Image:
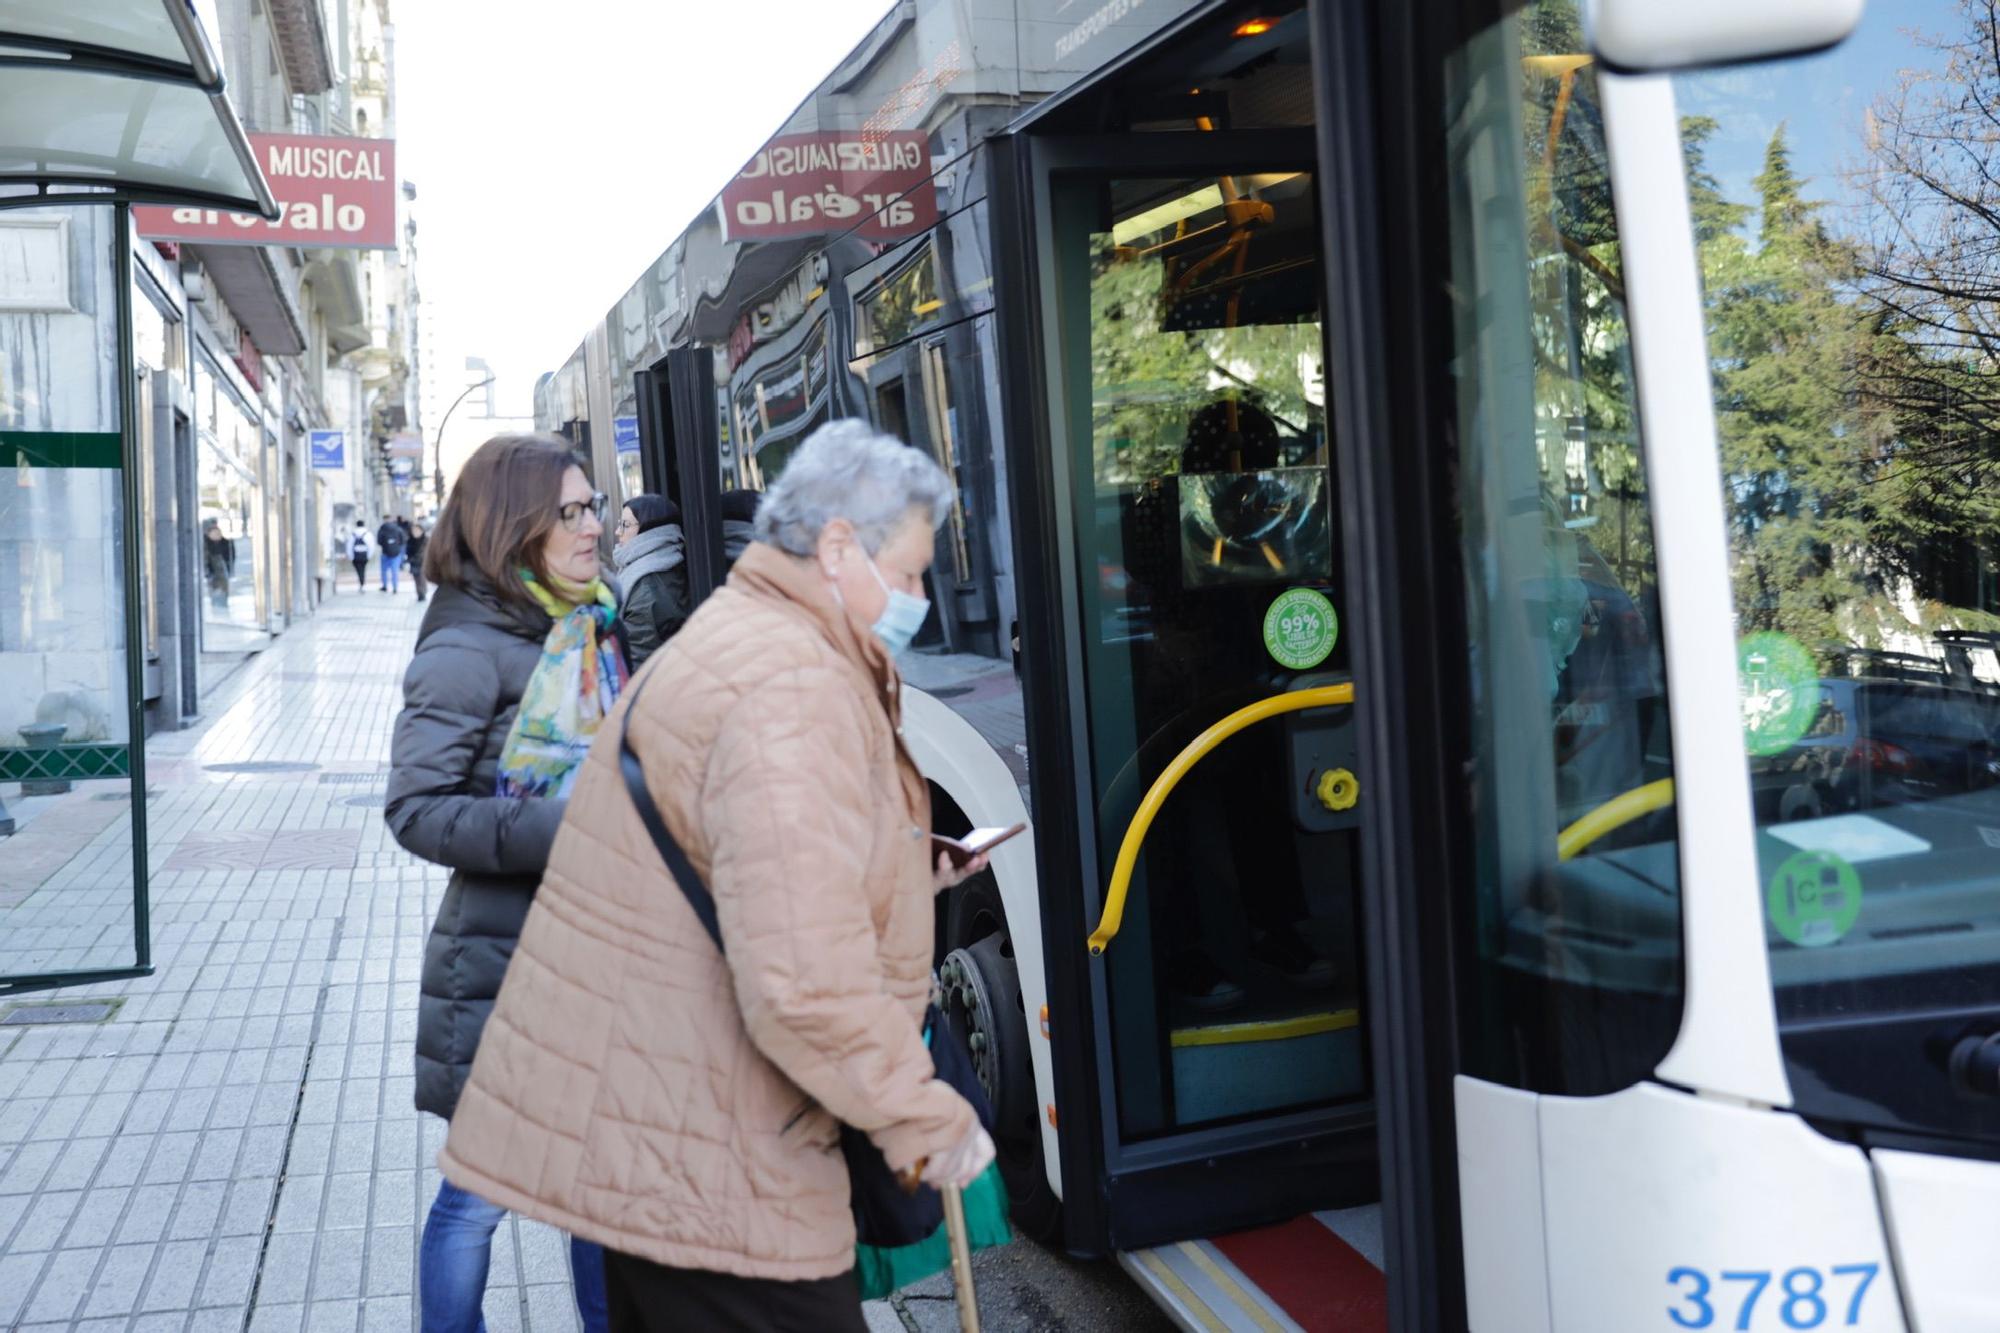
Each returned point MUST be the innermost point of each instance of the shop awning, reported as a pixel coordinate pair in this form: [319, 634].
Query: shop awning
[118, 100]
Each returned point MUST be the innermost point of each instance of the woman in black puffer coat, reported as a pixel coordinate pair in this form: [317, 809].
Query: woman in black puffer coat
[521, 506]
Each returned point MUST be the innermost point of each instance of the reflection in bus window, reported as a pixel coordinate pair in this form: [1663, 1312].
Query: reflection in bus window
[1844, 205]
[1579, 986]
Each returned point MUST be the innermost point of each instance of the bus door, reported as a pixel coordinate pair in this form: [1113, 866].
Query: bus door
[1194, 638]
[679, 455]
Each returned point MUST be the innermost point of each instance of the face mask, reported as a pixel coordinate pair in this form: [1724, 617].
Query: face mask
[901, 618]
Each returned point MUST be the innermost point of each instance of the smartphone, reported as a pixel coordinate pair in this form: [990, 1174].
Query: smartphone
[976, 843]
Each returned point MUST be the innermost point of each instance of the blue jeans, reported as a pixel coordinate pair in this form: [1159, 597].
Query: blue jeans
[392, 567]
[457, 1250]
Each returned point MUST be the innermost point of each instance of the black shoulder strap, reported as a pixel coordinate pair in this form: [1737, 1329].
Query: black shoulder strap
[691, 885]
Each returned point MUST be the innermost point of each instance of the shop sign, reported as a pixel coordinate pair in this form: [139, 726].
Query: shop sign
[405, 444]
[335, 193]
[810, 184]
[329, 449]
[625, 434]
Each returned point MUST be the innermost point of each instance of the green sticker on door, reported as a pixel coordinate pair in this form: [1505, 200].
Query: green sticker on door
[1814, 899]
[1300, 628]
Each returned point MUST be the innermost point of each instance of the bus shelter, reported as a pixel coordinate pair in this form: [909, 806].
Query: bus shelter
[104, 104]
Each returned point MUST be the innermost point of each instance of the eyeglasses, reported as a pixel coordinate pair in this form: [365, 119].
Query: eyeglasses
[572, 513]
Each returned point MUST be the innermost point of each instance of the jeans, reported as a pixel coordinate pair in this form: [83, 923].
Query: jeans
[392, 568]
[457, 1250]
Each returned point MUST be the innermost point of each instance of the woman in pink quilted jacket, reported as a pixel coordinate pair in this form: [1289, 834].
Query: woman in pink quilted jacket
[682, 1106]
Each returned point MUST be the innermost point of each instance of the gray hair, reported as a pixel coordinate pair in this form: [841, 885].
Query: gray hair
[847, 469]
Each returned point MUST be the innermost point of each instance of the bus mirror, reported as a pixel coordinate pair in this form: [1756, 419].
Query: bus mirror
[1641, 36]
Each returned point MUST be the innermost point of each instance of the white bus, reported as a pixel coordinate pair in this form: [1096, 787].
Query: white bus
[1472, 561]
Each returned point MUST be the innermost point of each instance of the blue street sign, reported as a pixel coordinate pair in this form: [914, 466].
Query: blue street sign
[329, 449]
[625, 434]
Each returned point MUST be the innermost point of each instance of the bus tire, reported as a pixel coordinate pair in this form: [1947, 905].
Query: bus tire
[982, 990]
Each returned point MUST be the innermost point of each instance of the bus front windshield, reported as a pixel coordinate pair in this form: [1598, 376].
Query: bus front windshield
[1844, 206]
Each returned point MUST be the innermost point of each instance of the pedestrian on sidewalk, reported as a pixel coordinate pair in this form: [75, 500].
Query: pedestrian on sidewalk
[391, 538]
[682, 1104]
[414, 553]
[358, 550]
[517, 662]
[650, 557]
[218, 555]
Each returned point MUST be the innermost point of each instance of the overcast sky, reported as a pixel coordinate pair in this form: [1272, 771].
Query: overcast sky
[558, 149]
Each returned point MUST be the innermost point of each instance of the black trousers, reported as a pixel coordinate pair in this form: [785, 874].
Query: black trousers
[647, 1297]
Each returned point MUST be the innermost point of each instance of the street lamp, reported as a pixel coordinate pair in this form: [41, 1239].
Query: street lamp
[437, 477]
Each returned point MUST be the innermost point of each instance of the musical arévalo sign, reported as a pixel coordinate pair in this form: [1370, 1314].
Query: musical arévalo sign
[335, 193]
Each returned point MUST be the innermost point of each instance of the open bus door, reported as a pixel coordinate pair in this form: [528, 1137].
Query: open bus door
[1214, 1065]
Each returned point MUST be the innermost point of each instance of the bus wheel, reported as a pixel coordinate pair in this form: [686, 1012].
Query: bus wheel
[982, 991]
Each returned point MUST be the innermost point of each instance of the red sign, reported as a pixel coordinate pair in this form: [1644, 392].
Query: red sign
[338, 193]
[808, 184]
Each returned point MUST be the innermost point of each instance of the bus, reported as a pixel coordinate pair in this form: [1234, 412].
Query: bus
[1469, 557]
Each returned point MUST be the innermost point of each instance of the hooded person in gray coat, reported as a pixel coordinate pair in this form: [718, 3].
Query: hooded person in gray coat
[517, 662]
[651, 560]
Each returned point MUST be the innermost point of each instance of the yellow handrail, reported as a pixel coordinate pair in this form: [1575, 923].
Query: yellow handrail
[1615, 813]
[1320, 696]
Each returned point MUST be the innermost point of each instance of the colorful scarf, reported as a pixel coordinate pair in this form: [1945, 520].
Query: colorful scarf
[571, 692]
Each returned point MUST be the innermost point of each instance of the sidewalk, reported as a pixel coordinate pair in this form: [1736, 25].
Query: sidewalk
[235, 1148]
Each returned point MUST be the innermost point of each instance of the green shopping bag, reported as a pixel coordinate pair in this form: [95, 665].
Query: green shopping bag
[882, 1271]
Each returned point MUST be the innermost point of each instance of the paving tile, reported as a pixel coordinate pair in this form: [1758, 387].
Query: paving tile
[215, 1155]
[288, 1261]
[97, 1217]
[232, 1263]
[392, 1253]
[333, 1317]
[77, 1167]
[175, 1276]
[126, 1161]
[30, 1166]
[249, 1207]
[146, 1217]
[115, 1290]
[47, 1217]
[173, 1322]
[337, 1267]
[17, 1278]
[388, 1314]
[300, 1200]
[64, 1284]
[346, 1202]
[199, 1210]
[552, 1309]
[277, 1318]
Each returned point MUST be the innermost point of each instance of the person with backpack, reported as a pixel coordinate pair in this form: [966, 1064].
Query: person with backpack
[392, 537]
[359, 548]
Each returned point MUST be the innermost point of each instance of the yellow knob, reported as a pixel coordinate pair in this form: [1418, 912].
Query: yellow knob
[1339, 789]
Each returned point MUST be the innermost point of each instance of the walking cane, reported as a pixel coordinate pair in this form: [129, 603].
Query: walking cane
[961, 1260]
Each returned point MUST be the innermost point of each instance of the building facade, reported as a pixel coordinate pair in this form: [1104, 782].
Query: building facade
[192, 404]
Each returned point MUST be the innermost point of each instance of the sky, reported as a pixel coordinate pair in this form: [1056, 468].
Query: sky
[558, 149]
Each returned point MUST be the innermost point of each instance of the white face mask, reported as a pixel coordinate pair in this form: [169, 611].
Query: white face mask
[901, 618]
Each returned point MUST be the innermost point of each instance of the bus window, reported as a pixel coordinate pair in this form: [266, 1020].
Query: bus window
[1203, 500]
[1578, 960]
[1843, 209]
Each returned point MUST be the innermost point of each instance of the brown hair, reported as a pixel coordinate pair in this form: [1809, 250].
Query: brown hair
[501, 511]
